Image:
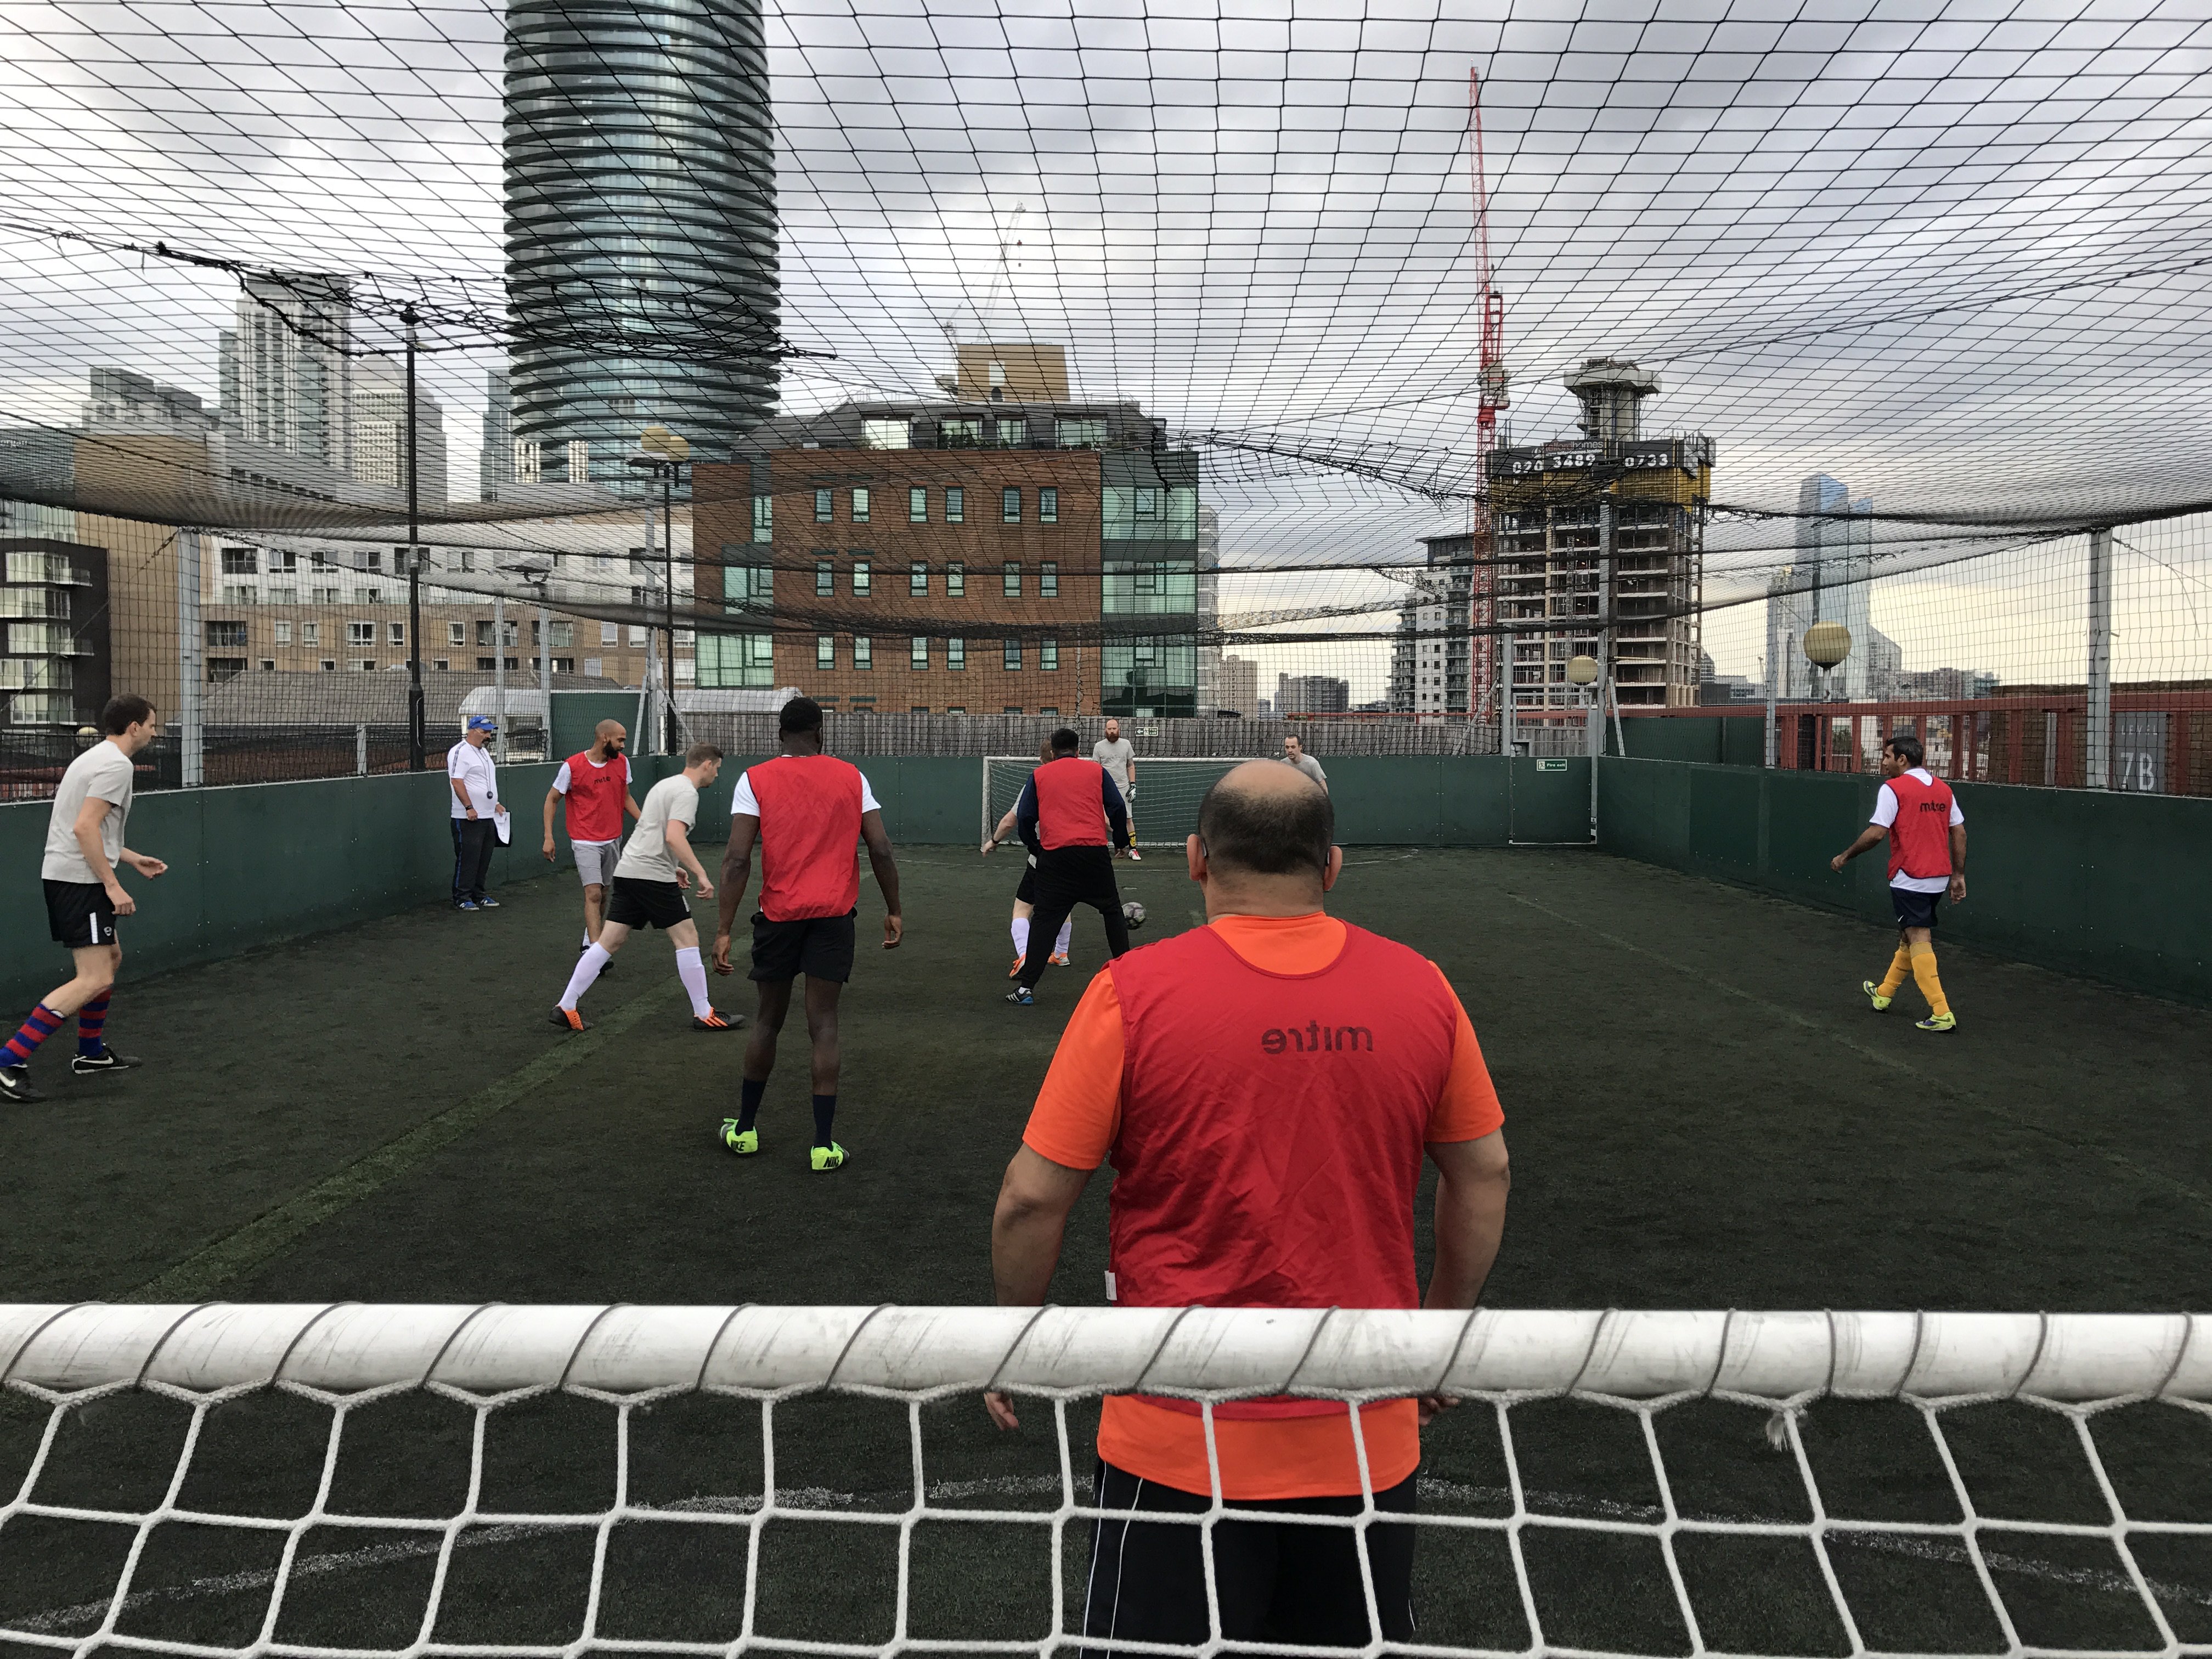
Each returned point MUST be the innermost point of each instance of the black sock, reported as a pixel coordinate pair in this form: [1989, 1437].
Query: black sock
[825, 1113]
[749, 1100]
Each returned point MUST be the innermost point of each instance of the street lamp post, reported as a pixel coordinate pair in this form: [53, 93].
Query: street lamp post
[663, 453]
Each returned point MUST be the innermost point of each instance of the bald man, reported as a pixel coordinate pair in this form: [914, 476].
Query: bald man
[596, 784]
[1266, 1087]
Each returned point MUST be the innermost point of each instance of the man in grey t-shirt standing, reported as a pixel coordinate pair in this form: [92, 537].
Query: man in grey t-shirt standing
[1119, 756]
[1294, 753]
[84, 896]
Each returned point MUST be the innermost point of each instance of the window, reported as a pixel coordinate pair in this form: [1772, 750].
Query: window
[1048, 505]
[1148, 503]
[863, 580]
[365, 665]
[742, 661]
[1012, 656]
[457, 633]
[1009, 579]
[823, 510]
[919, 653]
[891, 432]
[1048, 655]
[1148, 512]
[1010, 506]
[826, 576]
[399, 634]
[330, 667]
[955, 579]
[242, 593]
[860, 503]
[747, 584]
[961, 708]
[764, 518]
[825, 651]
[1080, 435]
[955, 656]
[1051, 710]
[442, 665]
[284, 633]
[1013, 708]
[361, 633]
[917, 504]
[1014, 433]
[864, 652]
[1049, 579]
[226, 633]
[323, 596]
[956, 504]
[917, 577]
[311, 632]
[580, 462]
[240, 562]
[610, 632]
[637, 634]
[959, 434]
[225, 668]
[283, 563]
[564, 636]
[918, 708]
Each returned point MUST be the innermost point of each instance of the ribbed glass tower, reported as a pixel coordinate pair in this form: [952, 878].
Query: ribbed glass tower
[640, 227]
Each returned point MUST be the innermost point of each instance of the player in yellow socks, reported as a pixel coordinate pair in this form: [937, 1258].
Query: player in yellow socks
[1916, 813]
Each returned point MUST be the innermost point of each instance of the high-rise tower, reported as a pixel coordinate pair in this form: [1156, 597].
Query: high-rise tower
[641, 225]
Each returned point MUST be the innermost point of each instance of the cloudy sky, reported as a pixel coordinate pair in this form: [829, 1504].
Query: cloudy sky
[1955, 254]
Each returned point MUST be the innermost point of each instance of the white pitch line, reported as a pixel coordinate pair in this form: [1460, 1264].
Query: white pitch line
[2107, 1580]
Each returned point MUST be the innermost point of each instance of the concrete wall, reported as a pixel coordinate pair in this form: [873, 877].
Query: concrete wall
[2109, 886]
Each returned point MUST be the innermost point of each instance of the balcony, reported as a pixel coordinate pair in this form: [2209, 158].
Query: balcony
[44, 639]
[54, 569]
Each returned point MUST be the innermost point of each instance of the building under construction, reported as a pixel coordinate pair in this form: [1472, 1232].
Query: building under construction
[1609, 526]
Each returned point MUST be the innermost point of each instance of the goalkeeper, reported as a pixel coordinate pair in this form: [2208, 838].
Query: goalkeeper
[1266, 1086]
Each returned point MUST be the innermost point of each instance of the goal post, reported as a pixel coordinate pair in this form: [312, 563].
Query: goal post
[110, 1534]
[1168, 792]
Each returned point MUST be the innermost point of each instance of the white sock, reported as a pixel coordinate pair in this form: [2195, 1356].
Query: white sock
[693, 972]
[1021, 936]
[587, 969]
[1066, 933]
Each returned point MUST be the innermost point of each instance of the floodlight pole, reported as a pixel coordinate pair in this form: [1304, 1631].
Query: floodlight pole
[2097, 751]
[667, 471]
[418, 726]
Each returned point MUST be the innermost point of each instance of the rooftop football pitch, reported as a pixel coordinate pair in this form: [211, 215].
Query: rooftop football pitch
[1702, 1109]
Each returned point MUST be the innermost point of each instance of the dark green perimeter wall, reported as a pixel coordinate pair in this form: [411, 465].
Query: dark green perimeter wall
[2110, 885]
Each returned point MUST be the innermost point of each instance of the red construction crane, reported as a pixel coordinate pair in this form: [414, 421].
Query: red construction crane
[1492, 395]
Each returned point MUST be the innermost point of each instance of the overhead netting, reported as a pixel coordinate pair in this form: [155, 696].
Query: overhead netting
[1929, 290]
[336, 1480]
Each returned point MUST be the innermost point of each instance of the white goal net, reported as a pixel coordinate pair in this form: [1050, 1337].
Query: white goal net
[550, 1481]
[1168, 792]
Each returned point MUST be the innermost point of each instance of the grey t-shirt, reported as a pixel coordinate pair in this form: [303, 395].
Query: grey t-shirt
[105, 772]
[1115, 757]
[1311, 767]
[647, 857]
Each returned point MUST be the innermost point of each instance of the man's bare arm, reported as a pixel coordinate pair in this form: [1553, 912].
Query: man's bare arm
[878, 843]
[678, 835]
[1026, 1231]
[552, 798]
[737, 875]
[1873, 835]
[1958, 863]
[1472, 1180]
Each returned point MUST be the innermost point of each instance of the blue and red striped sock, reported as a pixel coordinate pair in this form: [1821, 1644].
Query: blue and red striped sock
[42, 1023]
[90, 1020]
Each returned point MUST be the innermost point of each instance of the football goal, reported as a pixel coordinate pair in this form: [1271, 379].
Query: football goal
[1168, 792]
[536, 1481]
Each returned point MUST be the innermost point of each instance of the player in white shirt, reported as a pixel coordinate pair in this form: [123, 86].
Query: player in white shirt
[1119, 756]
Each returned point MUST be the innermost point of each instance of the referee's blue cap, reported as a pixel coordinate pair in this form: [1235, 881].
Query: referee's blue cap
[482, 723]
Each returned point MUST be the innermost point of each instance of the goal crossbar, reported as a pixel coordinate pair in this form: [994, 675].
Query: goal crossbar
[59, 1350]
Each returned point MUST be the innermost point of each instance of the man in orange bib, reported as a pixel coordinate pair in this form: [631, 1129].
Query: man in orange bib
[1916, 813]
[1266, 1086]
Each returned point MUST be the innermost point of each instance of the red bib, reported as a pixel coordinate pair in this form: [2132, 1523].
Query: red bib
[1272, 1129]
[1920, 840]
[1070, 798]
[595, 797]
[810, 824]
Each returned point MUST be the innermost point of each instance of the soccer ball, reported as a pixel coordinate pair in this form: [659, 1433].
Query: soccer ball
[1133, 914]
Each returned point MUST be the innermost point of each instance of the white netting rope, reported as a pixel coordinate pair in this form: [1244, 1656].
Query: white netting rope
[346, 1357]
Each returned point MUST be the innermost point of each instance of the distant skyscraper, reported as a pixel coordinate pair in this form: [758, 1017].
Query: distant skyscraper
[287, 371]
[640, 227]
[1832, 580]
[380, 431]
[496, 459]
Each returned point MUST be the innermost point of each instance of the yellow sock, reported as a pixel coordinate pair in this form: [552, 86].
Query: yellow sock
[1924, 975]
[1900, 966]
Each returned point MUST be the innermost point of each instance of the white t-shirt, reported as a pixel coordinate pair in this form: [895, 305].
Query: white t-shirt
[742, 801]
[471, 765]
[1309, 765]
[1115, 757]
[105, 772]
[1885, 814]
[647, 857]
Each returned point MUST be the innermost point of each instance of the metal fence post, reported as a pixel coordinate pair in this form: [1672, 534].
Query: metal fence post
[191, 660]
[499, 670]
[2097, 752]
[360, 750]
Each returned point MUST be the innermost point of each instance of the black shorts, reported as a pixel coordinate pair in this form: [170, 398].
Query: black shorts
[80, 912]
[1276, 1582]
[1914, 910]
[1078, 875]
[820, 947]
[639, 902]
[1026, 893]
